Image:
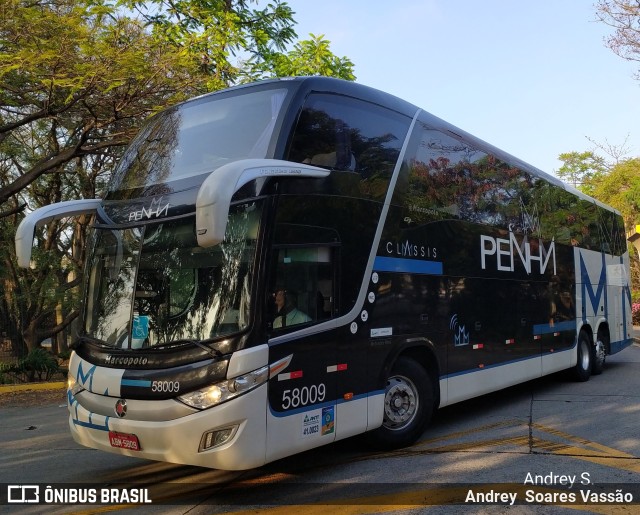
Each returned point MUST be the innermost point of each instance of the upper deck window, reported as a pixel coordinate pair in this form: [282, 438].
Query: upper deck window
[198, 137]
[346, 134]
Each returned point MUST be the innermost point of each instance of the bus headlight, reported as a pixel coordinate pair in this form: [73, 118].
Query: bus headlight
[225, 390]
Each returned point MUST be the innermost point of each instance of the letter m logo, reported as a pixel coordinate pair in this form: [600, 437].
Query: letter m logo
[82, 378]
[595, 296]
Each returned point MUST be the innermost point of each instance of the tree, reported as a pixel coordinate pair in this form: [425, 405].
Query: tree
[581, 168]
[313, 57]
[620, 188]
[616, 183]
[77, 78]
[624, 17]
[231, 42]
[213, 32]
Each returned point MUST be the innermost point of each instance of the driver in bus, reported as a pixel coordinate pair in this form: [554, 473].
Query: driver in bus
[287, 313]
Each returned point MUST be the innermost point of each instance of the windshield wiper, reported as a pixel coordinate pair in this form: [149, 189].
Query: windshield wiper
[90, 339]
[213, 352]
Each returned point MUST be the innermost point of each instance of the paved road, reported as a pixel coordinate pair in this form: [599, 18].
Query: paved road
[500, 443]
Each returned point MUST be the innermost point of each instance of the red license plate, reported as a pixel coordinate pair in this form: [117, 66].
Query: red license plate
[124, 441]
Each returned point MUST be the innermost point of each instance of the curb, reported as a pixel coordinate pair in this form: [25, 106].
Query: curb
[10, 388]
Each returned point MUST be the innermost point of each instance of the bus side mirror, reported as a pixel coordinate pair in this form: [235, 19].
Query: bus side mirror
[214, 196]
[26, 229]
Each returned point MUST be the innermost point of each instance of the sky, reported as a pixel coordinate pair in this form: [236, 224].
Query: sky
[533, 78]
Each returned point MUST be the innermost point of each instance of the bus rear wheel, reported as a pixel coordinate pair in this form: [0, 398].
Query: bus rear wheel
[408, 405]
[582, 370]
[599, 354]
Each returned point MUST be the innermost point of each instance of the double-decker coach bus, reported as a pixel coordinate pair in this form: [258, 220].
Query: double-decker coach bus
[285, 264]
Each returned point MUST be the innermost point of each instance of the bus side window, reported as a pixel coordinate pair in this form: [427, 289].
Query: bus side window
[349, 135]
[302, 290]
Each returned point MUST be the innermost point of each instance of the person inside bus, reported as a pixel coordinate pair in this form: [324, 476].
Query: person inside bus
[287, 312]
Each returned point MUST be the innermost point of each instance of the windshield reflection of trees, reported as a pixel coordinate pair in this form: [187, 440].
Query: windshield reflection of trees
[198, 293]
[149, 158]
[323, 140]
[112, 275]
[179, 290]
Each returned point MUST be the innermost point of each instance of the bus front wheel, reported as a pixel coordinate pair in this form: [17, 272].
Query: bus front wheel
[582, 370]
[408, 405]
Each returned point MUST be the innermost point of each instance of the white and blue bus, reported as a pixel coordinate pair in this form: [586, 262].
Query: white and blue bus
[285, 264]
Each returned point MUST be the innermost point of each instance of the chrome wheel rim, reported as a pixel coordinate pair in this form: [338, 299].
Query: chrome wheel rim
[585, 358]
[400, 403]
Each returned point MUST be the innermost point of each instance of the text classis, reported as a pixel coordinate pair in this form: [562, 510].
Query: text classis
[409, 249]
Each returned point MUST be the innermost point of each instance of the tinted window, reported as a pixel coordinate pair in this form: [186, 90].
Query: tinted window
[303, 289]
[198, 137]
[451, 178]
[342, 133]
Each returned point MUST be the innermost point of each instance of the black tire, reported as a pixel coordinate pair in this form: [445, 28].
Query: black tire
[408, 406]
[599, 355]
[582, 370]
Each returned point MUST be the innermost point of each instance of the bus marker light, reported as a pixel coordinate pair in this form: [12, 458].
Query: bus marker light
[279, 365]
[556, 334]
[337, 368]
[290, 375]
[481, 365]
[510, 341]
[348, 396]
[478, 346]
[537, 337]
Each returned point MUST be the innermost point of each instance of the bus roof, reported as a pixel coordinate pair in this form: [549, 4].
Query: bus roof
[303, 86]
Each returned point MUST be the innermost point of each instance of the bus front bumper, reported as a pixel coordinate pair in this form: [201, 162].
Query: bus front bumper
[183, 440]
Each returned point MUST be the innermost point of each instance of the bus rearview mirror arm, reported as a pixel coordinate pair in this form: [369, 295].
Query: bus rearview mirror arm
[212, 204]
[26, 229]
[214, 197]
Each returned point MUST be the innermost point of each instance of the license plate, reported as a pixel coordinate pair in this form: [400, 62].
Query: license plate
[124, 441]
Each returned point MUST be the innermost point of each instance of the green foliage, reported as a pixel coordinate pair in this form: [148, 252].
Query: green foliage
[77, 79]
[621, 189]
[582, 169]
[64, 355]
[5, 371]
[313, 57]
[227, 41]
[39, 363]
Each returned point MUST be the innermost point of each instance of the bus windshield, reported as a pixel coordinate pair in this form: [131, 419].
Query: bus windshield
[153, 285]
[197, 137]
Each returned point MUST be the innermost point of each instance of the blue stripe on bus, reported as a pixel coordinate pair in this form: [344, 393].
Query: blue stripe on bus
[503, 363]
[568, 325]
[139, 383]
[91, 425]
[389, 264]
